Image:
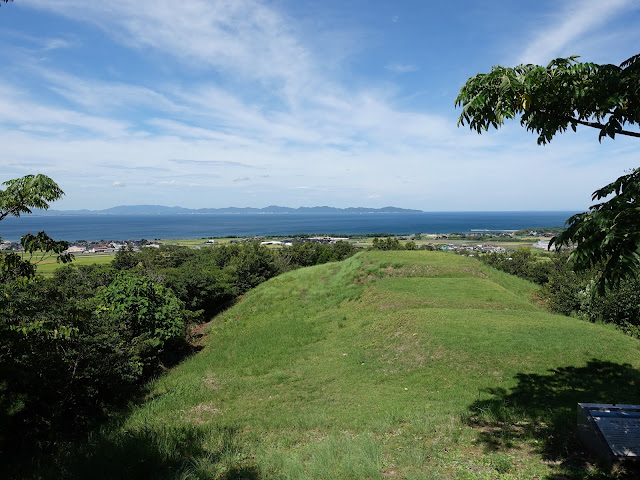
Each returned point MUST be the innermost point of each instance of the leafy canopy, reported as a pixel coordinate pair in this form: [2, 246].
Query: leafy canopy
[21, 195]
[607, 235]
[565, 94]
[551, 99]
[24, 193]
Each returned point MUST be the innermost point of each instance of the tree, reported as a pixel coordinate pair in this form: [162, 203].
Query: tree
[147, 314]
[565, 94]
[24, 193]
[21, 195]
[388, 243]
[125, 259]
[550, 99]
[36, 328]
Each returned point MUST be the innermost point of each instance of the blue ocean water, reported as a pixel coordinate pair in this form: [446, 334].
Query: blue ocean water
[166, 226]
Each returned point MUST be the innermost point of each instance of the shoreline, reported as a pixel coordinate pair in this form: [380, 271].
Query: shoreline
[173, 227]
[299, 236]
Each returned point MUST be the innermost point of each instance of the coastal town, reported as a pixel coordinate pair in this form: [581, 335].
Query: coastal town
[469, 243]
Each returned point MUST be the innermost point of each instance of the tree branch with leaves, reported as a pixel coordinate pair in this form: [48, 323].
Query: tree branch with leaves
[21, 195]
[551, 99]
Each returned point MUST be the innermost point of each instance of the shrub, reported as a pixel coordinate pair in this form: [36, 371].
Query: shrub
[620, 306]
[69, 357]
[522, 263]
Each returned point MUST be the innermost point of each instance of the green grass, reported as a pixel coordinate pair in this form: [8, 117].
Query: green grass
[413, 365]
[50, 265]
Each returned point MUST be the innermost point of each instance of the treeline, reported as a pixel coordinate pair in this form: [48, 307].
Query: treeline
[393, 243]
[77, 347]
[526, 231]
[574, 293]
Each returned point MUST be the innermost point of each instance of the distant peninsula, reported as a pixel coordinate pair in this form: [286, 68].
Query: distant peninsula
[273, 209]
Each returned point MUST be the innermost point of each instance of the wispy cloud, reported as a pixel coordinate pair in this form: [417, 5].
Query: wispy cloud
[244, 36]
[210, 163]
[17, 108]
[39, 43]
[274, 90]
[103, 96]
[209, 93]
[146, 168]
[571, 23]
[401, 67]
[57, 43]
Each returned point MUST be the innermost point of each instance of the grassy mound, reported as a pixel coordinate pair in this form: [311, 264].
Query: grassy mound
[407, 365]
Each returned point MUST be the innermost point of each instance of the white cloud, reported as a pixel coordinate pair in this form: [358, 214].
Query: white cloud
[57, 43]
[103, 96]
[290, 100]
[401, 68]
[243, 36]
[256, 96]
[17, 108]
[575, 21]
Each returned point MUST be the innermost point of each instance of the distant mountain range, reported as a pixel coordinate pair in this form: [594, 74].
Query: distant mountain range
[273, 209]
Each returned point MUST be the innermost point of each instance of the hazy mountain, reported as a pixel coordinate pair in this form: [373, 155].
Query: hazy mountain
[272, 209]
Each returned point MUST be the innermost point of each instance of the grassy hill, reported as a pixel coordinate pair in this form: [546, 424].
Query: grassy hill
[409, 365]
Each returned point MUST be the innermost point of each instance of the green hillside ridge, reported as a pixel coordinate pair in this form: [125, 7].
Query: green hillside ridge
[411, 365]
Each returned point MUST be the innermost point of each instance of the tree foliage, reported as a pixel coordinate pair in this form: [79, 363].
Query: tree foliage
[76, 347]
[143, 308]
[521, 263]
[608, 234]
[24, 193]
[551, 99]
[565, 93]
[36, 248]
[125, 259]
[388, 243]
[21, 195]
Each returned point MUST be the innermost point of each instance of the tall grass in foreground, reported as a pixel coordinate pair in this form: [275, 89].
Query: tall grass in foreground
[412, 365]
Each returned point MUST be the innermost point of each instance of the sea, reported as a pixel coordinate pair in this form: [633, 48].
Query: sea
[173, 226]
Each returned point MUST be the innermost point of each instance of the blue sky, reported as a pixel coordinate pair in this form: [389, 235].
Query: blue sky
[207, 103]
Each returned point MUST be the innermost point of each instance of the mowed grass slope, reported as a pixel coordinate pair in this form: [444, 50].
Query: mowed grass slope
[410, 365]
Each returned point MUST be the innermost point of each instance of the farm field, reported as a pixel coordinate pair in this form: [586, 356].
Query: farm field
[413, 365]
[365, 241]
[49, 265]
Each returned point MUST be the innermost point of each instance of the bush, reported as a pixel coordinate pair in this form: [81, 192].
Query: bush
[73, 351]
[306, 254]
[620, 306]
[522, 263]
[389, 243]
[201, 287]
[143, 311]
[249, 265]
[566, 288]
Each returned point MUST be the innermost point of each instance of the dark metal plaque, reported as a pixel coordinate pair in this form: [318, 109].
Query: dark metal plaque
[611, 431]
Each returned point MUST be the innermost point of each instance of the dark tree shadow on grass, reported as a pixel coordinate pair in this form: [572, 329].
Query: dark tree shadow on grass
[541, 411]
[145, 453]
